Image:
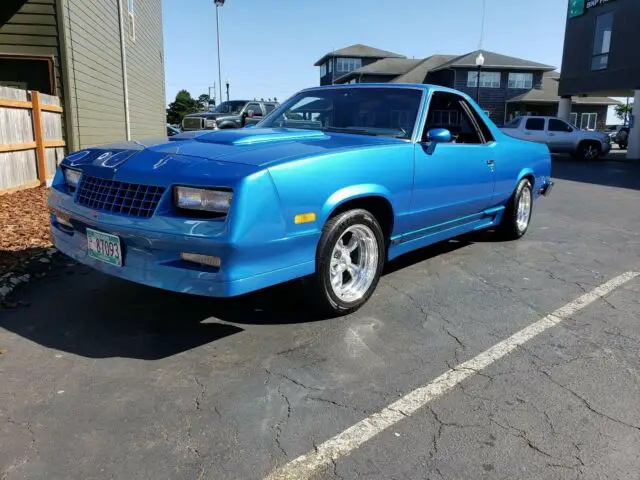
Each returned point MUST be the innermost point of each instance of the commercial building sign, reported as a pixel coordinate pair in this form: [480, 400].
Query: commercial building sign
[578, 7]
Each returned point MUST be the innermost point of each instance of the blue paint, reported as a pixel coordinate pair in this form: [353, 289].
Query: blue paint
[275, 174]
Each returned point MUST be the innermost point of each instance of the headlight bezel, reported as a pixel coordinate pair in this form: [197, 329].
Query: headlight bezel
[68, 180]
[207, 200]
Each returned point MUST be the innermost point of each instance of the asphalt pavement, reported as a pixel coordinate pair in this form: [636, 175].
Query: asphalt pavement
[102, 379]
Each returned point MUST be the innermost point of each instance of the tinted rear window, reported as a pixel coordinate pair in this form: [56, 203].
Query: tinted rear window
[535, 124]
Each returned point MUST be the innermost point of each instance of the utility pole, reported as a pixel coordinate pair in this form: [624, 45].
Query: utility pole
[219, 3]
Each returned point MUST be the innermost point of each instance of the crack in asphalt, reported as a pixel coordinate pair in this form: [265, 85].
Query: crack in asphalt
[292, 380]
[33, 447]
[521, 434]
[586, 403]
[337, 404]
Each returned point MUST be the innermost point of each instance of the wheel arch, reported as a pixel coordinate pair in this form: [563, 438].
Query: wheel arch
[374, 198]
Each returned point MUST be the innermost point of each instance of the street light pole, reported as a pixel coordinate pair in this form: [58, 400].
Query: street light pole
[479, 64]
[219, 3]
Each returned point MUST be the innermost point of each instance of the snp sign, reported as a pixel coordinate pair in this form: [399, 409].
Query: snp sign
[578, 7]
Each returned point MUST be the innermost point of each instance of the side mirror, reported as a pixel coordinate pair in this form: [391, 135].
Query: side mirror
[439, 135]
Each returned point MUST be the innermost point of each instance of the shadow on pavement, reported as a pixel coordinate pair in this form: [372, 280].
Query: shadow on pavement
[88, 314]
[620, 174]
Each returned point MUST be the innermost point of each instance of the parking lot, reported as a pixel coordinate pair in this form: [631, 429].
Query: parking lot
[103, 379]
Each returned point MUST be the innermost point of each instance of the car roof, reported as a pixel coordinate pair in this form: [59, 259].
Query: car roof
[414, 86]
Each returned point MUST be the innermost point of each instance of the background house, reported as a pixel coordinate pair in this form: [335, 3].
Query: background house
[102, 58]
[601, 57]
[509, 86]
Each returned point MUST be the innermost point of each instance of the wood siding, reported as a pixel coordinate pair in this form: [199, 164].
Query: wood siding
[145, 69]
[94, 69]
[33, 31]
[95, 73]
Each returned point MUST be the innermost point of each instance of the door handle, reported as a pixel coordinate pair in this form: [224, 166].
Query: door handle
[491, 163]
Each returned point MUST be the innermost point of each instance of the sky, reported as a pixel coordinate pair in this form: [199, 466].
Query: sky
[268, 47]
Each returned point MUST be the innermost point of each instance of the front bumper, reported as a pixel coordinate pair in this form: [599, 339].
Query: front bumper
[151, 252]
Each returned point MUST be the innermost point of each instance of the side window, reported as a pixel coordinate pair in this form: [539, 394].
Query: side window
[558, 126]
[534, 124]
[515, 123]
[451, 111]
[270, 107]
[255, 108]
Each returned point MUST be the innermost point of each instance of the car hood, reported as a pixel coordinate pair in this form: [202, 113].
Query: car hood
[254, 147]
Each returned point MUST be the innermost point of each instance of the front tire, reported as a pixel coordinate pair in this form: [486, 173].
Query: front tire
[588, 151]
[349, 262]
[517, 215]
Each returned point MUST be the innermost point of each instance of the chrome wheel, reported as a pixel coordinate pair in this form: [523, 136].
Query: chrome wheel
[354, 262]
[523, 212]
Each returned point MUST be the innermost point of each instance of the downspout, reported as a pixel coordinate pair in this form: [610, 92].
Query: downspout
[123, 57]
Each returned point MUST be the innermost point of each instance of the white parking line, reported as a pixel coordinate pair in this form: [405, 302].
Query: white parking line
[345, 442]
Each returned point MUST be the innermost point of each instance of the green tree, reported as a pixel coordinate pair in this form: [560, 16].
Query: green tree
[623, 111]
[181, 106]
[204, 100]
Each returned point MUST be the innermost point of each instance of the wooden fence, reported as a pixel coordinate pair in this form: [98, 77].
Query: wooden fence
[31, 140]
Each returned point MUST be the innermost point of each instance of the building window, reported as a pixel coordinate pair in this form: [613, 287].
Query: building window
[130, 6]
[487, 79]
[602, 41]
[588, 121]
[573, 118]
[521, 80]
[330, 64]
[445, 117]
[348, 64]
[323, 69]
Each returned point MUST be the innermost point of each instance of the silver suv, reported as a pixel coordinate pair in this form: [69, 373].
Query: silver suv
[560, 136]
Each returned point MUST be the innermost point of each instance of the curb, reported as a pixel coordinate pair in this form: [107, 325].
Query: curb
[33, 267]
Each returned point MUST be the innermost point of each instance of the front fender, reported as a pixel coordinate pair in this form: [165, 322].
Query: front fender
[353, 192]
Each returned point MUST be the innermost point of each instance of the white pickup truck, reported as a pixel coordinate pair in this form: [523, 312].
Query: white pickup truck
[560, 136]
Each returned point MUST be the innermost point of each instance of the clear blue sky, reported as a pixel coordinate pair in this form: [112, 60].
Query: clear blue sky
[269, 46]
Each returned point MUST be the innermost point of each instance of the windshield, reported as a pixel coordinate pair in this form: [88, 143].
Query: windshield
[369, 111]
[229, 107]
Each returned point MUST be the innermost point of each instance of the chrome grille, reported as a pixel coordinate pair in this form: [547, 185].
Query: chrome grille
[118, 197]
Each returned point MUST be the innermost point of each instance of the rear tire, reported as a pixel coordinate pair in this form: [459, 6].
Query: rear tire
[349, 262]
[517, 215]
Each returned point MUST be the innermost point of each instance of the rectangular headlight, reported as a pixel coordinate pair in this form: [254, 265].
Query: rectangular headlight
[210, 123]
[71, 176]
[206, 200]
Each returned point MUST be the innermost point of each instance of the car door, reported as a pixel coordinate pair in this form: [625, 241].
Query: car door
[453, 182]
[560, 135]
[534, 130]
[256, 116]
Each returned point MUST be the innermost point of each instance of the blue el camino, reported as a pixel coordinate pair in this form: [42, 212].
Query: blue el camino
[332, 184]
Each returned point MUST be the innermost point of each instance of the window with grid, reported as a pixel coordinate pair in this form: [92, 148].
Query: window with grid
[323, 69]
[521, 80]
[487, 79]
[348, 64]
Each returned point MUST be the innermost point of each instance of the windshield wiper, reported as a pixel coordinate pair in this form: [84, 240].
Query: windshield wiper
[348, 130]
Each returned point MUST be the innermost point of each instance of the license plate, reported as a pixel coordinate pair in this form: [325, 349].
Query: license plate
[104, 247]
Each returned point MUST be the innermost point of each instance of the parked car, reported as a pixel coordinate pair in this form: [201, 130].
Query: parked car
[232, 114]
[171, 131]
[560, 136]
[377, 170]
[622, 137]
